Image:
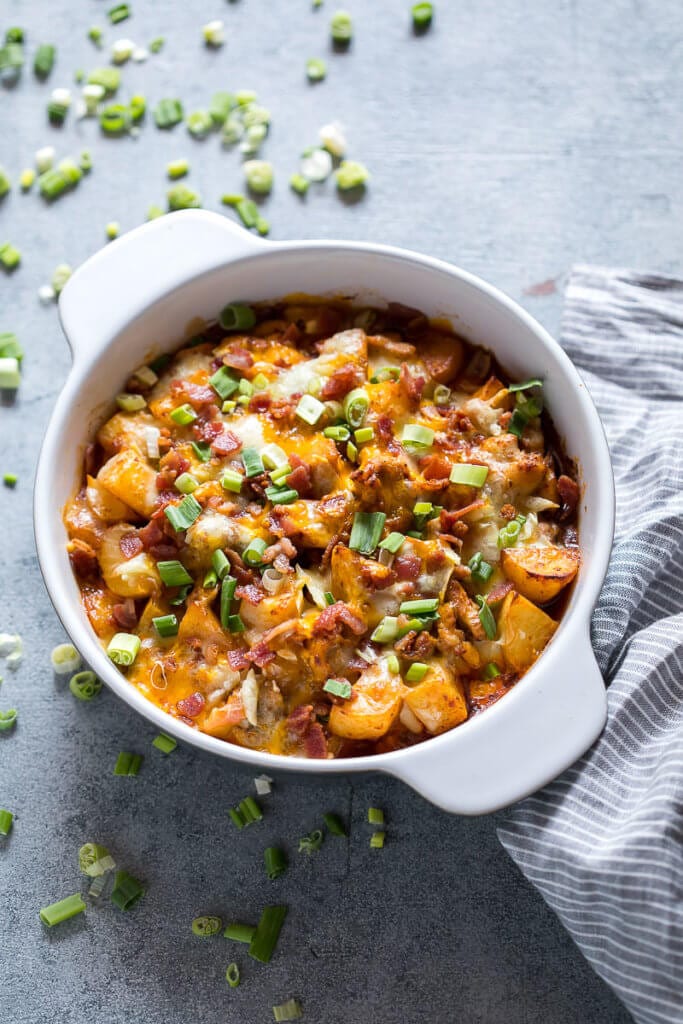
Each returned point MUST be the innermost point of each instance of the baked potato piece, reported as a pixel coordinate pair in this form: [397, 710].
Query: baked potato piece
[439, 700]
[524, 631]
[126, 430]
[540, 572]
[105, 505]
[442, 355]
[372, 708]
[273, 608]
[361, 581]
[131, 480]
[128, 577]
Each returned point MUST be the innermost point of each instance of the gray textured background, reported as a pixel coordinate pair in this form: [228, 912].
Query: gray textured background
[516, 137]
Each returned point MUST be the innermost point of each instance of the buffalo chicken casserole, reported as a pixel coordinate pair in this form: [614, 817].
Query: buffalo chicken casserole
[325, 531]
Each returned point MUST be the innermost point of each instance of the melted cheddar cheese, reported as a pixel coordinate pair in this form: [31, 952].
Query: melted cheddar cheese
[297, 630]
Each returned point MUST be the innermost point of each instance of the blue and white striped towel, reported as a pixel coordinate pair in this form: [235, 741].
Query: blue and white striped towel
[604, 842]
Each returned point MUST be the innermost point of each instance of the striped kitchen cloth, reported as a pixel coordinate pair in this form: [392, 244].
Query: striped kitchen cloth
[604, 842]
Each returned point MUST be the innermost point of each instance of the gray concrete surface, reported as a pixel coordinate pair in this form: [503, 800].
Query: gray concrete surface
[516, 137]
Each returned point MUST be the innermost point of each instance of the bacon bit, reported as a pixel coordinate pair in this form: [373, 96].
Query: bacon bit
[385, 428]
[171, 466]
[242, 573]
[124, 614]
[498, 592]
[250, 593]
[407, 567]
[165, 498]
[300, 719]
[130, 545]
[292, 334]
[504, 419]
[237, 358]
[435, 467]
[315, 741]
[280, 552]
[411, 385]
[449, 518]
[460, 422]
[300, 477]
[196, 394]
[415, 646]
[376, 576]
[206, 429]
[331, 618]
[341, 382]
[151, 534]
[283, 408]
[508, 511]
[191, 706]
[260, 402]
[83, 558]
[163, 552]
[226, 443]
[238, 660]
[569, 492]
[261, 654]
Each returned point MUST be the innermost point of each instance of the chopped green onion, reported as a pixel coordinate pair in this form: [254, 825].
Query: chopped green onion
[6, 821]
[291, 1010]
[114, 119]
[108, 78]
[220, 563]
[202, 450]
[422, 15]
[60, 276]
[309, 409]
[157, 44]
[524, 385]
[8, 719]
[180, 197]
[4, 183]
[85, 685]
[351, 174]
[275, 861]
[127, 763]
[329, 598]
[232, 975]
[375, 816]
[95, 35]
[177, 169]
[507, 537]
[210, 580]
[10, 257]
[470, 476]
[311, 843]
[417, 671]
[267, 932]
[220, 106]
[118, 13]
[386, 631]
[239, 932]
[122, 51]
[250, 810]
[130, 402]
[14, 35]
[385, 373]
[10, 347]
[85, 161]
[480, 570]
[280, 474]
[281, 495]
[338, 433]
[252, 461]
[299, 184]
[442, 395]
[123, 648]
[214, 33]
[236, 818]
[245, 387]
[423, 512]
[363, 435]
[65, 659]
[199, 123]
[181, 596]
[94, 860]
[10, 479]
[334, 824]
[338, 687]
[166, 744]
[183, 415]
[61, 911]
[206, 926]
[259, 176]
[366, 531]
[166, 625]
[154, 212]
[423, 606]
[341, 28]
[393, 664]
[237, 317]
[186, 483]
[127, 891]
[253, 553]
[11, 59]
[377, 840]
[416, 438]
[491, 671]
[223, 382]
[174, 573]
[231, 480]
[182, 516]
[44, 60]
[486, 617]
[356, 405]
[316, 69]
[228, 587]
[274, 457]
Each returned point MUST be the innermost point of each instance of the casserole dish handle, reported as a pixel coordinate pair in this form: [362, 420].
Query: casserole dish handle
[521, 743]
[146, 264]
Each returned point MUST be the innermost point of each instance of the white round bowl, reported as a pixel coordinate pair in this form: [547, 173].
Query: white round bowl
[139, 296]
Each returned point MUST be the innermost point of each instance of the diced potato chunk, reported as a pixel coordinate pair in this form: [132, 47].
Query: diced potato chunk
[540, 573]
[131, 480]
[438, 701]
[105, 505]
[524, 630]
[274, 608]
[372, 708]
[352, 581]
[127, 577]
[126, 430]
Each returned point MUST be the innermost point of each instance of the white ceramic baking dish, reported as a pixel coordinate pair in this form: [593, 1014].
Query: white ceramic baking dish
[138, 296]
